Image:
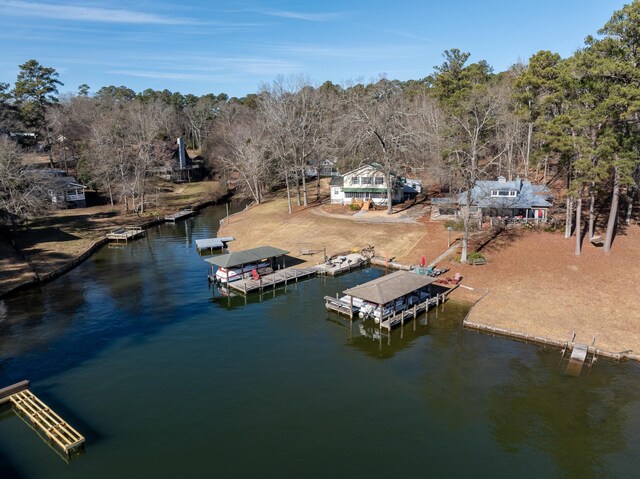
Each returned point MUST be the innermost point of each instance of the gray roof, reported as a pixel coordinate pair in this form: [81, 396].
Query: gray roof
[390, 287]
[210, 243]
[528, 195]
[337, 181]
[247, 256]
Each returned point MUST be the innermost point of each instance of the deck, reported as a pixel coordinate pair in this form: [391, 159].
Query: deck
[281, 276]
[342, 264]
[43, 419]
[125, 233]
[411, 313]
[341, 306]
[185, 213]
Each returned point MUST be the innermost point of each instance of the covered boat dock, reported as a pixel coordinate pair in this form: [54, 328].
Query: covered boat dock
[209, 244]
[389, 300]
[240, 259]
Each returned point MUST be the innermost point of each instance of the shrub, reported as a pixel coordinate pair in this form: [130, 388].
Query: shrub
[455, 225]
[354, 206]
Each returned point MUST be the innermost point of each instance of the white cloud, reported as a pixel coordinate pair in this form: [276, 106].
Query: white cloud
[163, 75]
[311, 17]
[85, 14]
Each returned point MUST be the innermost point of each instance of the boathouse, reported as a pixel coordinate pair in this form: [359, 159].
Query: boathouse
[389, 300]
[238, 261]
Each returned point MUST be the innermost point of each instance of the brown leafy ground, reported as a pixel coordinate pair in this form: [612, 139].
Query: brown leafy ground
[535, 283]
[52, 242]
[404, 236]
[538, 286]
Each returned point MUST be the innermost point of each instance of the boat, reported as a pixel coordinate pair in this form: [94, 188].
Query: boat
[370, 310]
[224, 275]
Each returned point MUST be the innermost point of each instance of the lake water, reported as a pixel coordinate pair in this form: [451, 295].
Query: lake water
[167, 378]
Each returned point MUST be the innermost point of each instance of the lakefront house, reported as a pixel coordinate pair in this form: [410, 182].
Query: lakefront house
[367, 182]
[499, 200]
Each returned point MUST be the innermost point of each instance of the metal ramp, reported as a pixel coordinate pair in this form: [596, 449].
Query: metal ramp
[581, 354]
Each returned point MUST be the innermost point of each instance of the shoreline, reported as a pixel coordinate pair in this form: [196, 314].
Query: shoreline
[40, 279]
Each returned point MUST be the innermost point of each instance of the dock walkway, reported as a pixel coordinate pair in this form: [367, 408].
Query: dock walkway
[342, 264]
[185, 213]
[125, 234]
[43, 418]
[281, 276]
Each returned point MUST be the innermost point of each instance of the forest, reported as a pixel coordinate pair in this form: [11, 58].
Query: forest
[569, 122]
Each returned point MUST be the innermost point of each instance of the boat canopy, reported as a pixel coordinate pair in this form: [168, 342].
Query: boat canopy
[213, 243]
[390, 287]
[238, 258]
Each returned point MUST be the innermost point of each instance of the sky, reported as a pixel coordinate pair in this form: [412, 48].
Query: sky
[234, 47]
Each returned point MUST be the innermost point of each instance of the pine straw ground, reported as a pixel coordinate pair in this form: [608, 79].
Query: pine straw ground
[536, 285]
[534, 282]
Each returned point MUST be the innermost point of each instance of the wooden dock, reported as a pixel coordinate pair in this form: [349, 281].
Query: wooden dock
[125, 233]
[184, 213]
[42, 418]
[281, 276]
[411, 313]
[340, 306]
[342, 264]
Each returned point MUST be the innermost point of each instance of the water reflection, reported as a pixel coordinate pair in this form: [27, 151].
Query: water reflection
[131, 291]
[576, 421]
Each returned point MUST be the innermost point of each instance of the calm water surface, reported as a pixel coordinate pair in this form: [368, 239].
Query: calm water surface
[167, 378]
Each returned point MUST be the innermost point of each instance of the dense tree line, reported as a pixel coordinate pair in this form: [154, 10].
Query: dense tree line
[575, 118]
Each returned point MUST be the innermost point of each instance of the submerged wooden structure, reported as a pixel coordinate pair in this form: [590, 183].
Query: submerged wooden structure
[184, 213]
[125, 233]
[391, 299]
[42, 418]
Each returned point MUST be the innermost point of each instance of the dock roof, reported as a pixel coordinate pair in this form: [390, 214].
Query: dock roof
[390, 287]
[247, 256]
[211, 243]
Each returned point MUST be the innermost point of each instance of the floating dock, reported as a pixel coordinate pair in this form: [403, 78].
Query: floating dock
[125, 233]
[184, 213]
[42, 418]
[210, 244]
[342, 264]
[279, 277]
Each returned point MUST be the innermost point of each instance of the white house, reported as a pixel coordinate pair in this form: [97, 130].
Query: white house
[64, 189]
[367, 182]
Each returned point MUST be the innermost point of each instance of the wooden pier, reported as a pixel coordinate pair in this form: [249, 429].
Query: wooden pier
[42, 418]
[413, 290]
[279, 277]
[342, 264]
[411, 313]
[184, 213]
[125, 233]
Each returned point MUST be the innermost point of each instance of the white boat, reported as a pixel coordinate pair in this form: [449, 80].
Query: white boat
[234, 274]
[370, 310]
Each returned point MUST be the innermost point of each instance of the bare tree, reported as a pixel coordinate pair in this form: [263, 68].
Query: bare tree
[24, 193]
[245, 151]
[472, 144]
[379, 120]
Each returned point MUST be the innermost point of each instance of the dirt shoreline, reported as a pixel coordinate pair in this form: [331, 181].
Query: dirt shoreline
[30, 276]
[532, 285]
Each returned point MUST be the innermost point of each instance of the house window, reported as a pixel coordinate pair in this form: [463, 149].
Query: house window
[379, 180]
[366, 180]
[336, 191]
[355, 180]
[503, 193]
